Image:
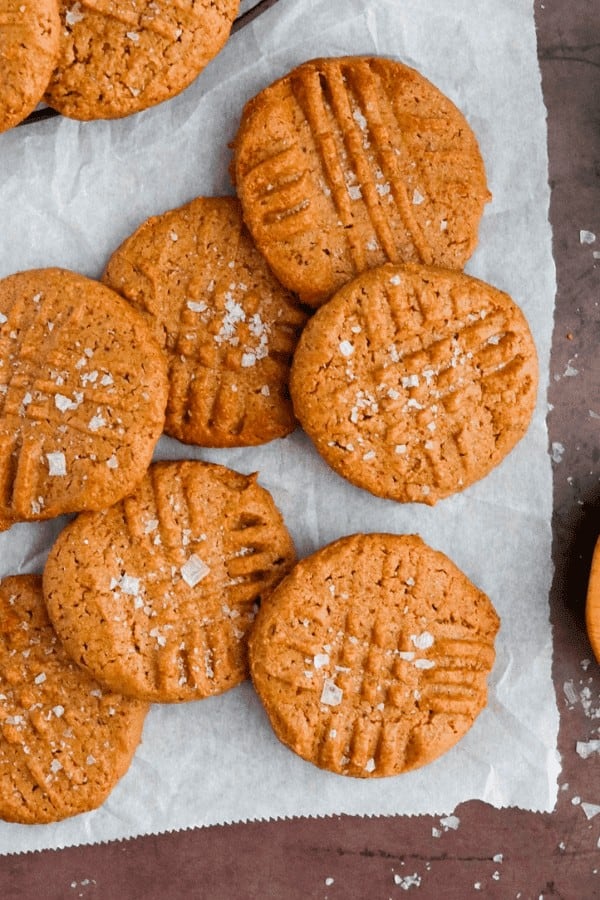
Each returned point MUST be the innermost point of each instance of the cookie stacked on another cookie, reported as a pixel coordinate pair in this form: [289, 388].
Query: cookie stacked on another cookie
[65, 741]
[348, 163]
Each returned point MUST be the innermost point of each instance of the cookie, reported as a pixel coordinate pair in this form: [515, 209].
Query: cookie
[155, 595]
[228, 327]
[64, 741]
[371, 657]
[120, 57]
[83, 388]
[29, 40]
[592, 606]
[348, 163]
[414, 382]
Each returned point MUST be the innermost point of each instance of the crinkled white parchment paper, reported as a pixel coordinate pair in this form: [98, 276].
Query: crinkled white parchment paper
[70, 193]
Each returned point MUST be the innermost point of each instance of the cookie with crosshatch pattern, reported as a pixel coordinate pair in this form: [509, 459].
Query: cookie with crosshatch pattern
[226, 324]
[64, 740]
[155, 596]
[122, 56]
[83, 388]
[29, 40]
[414, 382]
[372, 657]
[348, 163]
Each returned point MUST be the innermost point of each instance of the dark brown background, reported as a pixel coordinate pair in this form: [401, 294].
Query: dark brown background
[542, 856]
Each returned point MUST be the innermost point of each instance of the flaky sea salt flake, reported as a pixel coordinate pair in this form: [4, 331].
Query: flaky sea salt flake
[194, 570]
[129, 585]
[407, 881]
[422, 641]
[590, 809]
[331, 694]
[96, 422]
[585, 749]
[320, 660]
[57, 464]
[74, 15]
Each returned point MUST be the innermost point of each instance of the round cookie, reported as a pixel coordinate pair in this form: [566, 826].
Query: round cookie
[371, 657]
[64, 741]
[155, 595]
[29, 40]
[348, 163]
[592, 605]
[83, 388]
[414, 382]
[227, 325]
[120, 57]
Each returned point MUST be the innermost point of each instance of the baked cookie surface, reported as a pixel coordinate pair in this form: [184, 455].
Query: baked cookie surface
[29, 40]
[371, 657]
[64, 741]
[227, 325]
[83, 388]
[414, 382]
[155, 595]
[348, 163]
[121, 56]
[592, 605]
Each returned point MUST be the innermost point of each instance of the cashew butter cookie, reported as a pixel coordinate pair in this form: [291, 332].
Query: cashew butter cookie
[348, 163]
[226, 324]
[155, 596]
[64, 741]
[83, 388]
[372, 657]
[414, 382]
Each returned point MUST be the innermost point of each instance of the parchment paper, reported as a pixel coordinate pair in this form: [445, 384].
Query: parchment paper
[70, 193]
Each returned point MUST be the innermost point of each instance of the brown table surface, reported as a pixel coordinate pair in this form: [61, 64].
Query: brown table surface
[500, 853]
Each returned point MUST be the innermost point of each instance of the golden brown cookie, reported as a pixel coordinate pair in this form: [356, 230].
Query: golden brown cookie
[592, 606]
[347, 163]
[371, 657]
[414, 382]
[121, 56]
[228, 327]
[29, 39]
[83, 388]
[64, 740]
[155, 595]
